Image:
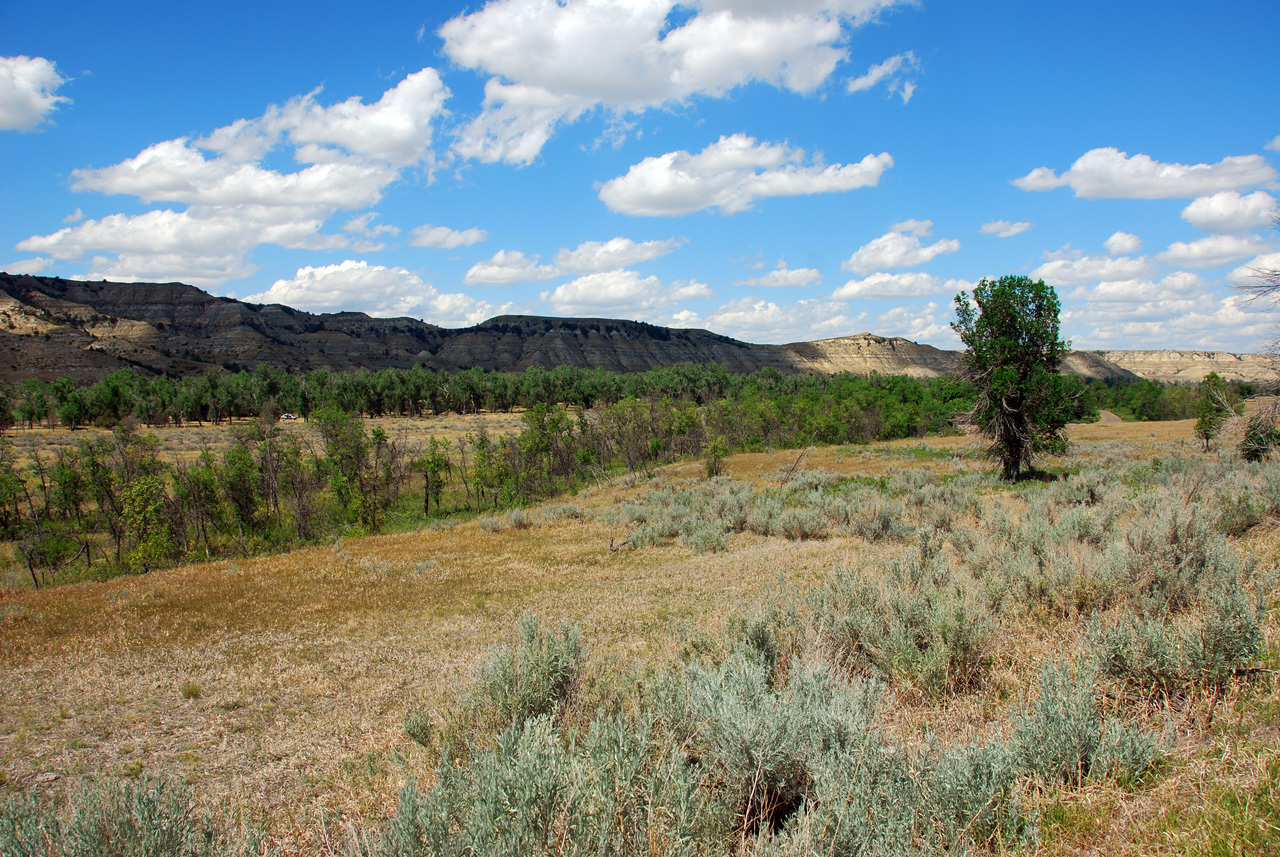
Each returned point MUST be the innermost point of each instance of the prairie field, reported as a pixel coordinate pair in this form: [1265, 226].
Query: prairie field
[297, 695]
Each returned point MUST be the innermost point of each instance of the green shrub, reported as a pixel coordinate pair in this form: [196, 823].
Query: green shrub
[1173, 654]
[1061, 737]
[911, 623]
[534, 677]
[116, 818]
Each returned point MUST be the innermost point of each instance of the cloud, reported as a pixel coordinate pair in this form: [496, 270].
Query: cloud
[906, 284]
[1006, 229]
[27, 92]
[1108, 173]
[516, 122]
[176, 171]
[731, 174]
[1250, 271]
[1180, 309]
[1274, 145]
[1229, 211]
[74, 217]
[893, 73]
[364, 225]
[592, 257]
[930, 323]
[376, 290]
[624, 293]
[783, 277]
[896, 250]
[508, 267]
[1213, 251]
[550, 63]
[1077, 270]
[27, 266]
[397, 129]
[922, 228]
[757, 320]
[351, 152]
[203, 270]
[1180, 285]
[1122, 243]
[446, 238]
[199, 230]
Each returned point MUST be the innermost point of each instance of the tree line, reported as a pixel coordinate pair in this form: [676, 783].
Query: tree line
[218, 396]
[110, 502]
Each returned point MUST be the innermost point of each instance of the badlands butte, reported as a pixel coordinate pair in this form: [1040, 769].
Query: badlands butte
[51, 327]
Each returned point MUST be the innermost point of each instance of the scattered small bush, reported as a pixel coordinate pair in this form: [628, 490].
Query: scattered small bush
[1061, 736]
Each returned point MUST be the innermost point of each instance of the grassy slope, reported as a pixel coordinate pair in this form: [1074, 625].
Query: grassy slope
[307, 663]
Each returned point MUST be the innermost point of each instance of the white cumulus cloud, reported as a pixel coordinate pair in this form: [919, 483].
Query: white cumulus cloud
[1122, 244]
[783, 277]
[930, 323]
[350, 152]
[895, 73]
[731, 174]
[1108, 173]
[1213, 251]
[1005, 228]
[757, 320]
[896, 250]
[624, 293]
[551, 62]
[1250, 271]
[202, 245]
[905, 284]
[592, 257]
[1077, 270]
[446, 238]
[379, 291]
[28, 92]
[1230, 211]
[508, 267]
[27, 266]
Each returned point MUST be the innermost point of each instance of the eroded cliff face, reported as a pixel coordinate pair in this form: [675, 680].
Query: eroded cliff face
[50, 327]
[866, 353]
[1190, 367]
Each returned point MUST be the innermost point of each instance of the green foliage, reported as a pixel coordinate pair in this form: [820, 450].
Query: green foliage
[535, 676]
[1062, 737]
[119, 818]
[914, 623]
[145, 522]
[1168, 654]
[1213, 408]
[1012, 352]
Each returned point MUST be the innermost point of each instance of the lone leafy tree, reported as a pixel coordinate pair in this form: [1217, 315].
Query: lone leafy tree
[1012, 352]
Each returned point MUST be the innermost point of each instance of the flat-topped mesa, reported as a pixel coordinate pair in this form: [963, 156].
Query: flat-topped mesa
[50, 327]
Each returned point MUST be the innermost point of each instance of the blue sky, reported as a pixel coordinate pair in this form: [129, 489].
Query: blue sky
[775, 171]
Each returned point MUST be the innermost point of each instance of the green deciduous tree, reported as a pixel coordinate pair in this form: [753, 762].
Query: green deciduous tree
[1212, 410]
[1012, 352]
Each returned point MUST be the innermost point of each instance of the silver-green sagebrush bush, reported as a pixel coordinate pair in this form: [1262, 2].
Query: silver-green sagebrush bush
[912, 623]
[1061, 737]
[120, 818]
[1172, 654]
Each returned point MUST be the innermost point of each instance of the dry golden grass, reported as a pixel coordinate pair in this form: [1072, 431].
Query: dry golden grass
[299, 669]
[185, 443]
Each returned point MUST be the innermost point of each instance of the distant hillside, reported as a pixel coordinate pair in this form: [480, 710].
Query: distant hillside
[51, 327]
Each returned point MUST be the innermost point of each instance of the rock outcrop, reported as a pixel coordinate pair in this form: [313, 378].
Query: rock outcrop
[1190, 367]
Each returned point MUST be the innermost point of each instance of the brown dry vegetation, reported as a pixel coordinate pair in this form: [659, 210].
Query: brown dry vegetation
[277, 687]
